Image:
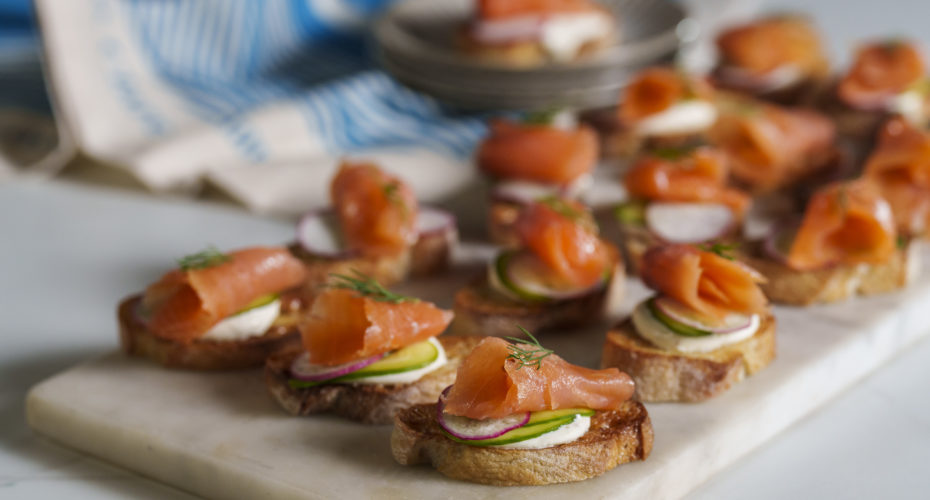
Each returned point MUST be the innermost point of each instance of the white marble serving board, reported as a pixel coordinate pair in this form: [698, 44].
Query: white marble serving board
[222, 436]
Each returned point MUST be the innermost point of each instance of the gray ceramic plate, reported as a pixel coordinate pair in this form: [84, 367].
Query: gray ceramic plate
[415, 43]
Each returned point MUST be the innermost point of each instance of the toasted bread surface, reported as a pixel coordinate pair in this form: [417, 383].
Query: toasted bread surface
[366, 403]
[615, 437]
[137, 340]
[663, 375]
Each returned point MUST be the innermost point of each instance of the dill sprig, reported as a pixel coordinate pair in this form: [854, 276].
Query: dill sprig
[531, 356]
[209, 257]
[720, 249]
[562, 207]
[366, 286]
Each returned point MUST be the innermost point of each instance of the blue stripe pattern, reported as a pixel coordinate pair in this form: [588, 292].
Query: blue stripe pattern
[228, 57]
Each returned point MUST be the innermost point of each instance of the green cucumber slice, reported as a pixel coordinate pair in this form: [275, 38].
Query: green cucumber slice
[521, 274]
[264, 300]
[631, 212]
[539, 417]
[501, 268]
[412, 357]
[675, 326]
[519, 434]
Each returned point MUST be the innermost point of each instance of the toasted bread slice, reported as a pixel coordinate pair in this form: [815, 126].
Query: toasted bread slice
[479, 310]
[663, 375]
[366, 403]
[137, 340]
[789, 286]
[615, 437]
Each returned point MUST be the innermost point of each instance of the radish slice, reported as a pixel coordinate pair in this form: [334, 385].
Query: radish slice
[683, 314]
[318, 234]
[689, 222]
[522, 275]
[303, 369]
[523, 192]
[470, 429]
[777, 244]
[434, 221]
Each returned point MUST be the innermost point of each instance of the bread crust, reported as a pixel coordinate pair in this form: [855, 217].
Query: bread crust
[615, 437]
[137, 340]
[479, 310]
[365, 403]
[832, 284]
[663, 375]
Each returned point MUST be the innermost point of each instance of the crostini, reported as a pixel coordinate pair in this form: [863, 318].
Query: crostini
[529, 33]
[678, 196]
[777, 58]
[546, 155]
[216, 310]
[845, 245]
[562, 275]
[376, 227]
[366, 352]
[708, 326]
[518, 414]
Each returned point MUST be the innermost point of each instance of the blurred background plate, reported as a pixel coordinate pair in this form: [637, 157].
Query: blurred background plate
[415, 44]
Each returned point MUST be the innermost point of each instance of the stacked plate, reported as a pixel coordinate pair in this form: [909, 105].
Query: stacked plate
[415, 42]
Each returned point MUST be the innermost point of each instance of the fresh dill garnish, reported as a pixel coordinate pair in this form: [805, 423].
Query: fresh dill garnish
[720, 249]
[672, 153]
[392, 193]
[524, 356]
[209, 257]
[901, 241]
[562, 207]
[366, 286]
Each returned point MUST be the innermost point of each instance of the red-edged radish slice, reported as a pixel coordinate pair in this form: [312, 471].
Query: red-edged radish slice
[318, 234]
[689, 222]
[434, 221]
[523, 192]
[683, 314]
[302, 369]
[470, 429]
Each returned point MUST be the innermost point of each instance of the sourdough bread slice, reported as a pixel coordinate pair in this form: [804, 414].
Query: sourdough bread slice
[480, 310]
[366, 403]
[137, 340]
[663, 375]
[789, 286]
[615, 437]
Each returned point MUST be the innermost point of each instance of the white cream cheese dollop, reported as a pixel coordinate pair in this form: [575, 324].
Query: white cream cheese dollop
[563, 35]
[685, 117]
[408, 376]
[653, 330]
[252, 323]
[565, 434]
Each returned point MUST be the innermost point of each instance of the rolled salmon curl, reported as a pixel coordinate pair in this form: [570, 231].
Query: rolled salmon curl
[900, 166]
[345, 325]
[185, 303]
[563, 236]
[538, 153]
[656, 89]
[492, 382]
[697, 175]
[881, 70]
[711, 284]
[768, 44]
[377, 211]
[501, 9]
[844, 223]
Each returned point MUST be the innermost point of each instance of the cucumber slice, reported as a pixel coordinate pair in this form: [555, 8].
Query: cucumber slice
[631, 212]
[502, 265]
[524, 277]
[264, 300]
[675, 326]
[539, 417]
[519, 434]
[409, 358]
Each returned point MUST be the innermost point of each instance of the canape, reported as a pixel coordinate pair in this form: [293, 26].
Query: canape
[366, 352]
[547, 155]
[708, 326]
[562, 275]
[518, 414]
[216, 310]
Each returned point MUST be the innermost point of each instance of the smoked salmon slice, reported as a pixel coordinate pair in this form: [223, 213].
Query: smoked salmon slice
[185, 304]
[344, 326]
[377, 212]
[538, 153]
[500, 9]
[880, 71]
[844, 223]
[770, 145]
[900, 165]
[491, 383]
[563, 236]
[698, 175]
[656, 89]
[708, 283]
[766, 45]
